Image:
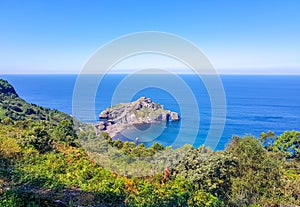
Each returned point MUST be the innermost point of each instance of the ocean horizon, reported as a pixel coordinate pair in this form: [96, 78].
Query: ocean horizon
[254, 103]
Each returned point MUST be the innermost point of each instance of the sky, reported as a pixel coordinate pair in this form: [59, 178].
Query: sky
[257, 36]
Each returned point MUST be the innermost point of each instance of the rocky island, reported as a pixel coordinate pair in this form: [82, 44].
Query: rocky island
[140, 112]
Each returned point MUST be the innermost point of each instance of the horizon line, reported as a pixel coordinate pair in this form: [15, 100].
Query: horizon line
[287, 74]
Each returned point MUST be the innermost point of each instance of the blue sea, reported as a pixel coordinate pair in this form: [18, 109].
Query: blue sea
[254, 103]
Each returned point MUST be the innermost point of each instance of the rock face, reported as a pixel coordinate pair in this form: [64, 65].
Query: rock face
[139, 112]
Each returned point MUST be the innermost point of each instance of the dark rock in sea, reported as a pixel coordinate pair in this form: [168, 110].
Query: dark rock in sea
[140, 112]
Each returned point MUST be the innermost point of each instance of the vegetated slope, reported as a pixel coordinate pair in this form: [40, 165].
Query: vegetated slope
[14, 107]
[42, 164]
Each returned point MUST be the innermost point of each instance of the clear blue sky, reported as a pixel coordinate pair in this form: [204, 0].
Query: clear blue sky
[237, 36]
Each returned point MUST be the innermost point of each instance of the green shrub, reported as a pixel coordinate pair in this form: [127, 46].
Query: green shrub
[10, 199]
[38, 138]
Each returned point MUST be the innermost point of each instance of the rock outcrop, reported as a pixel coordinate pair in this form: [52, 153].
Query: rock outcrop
[140, 112]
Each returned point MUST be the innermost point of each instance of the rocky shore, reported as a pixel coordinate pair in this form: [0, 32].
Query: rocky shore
[140, 112]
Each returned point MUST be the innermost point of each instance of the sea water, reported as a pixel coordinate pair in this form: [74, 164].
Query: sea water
[254, 103]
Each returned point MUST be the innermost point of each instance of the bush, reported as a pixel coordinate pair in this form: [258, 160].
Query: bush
[10, 199]
[257, 174]
[64, 132]
[38, 138]
[203, 199]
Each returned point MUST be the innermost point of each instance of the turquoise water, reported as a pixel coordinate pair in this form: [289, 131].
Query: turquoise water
[254, 103]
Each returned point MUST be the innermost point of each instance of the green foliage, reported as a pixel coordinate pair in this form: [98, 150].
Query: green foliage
[41, 162]
[290, 183]
[289, 144]
[15, 198]
[38, 138]
[12, 106]
[70, 168]
[173, 193]
[2, 114]
[210, 170]
[244, 174]
[128, 148]
[157, 147]
[9, 147]
[6, 88]
[267, 139]
[7, 121]
[105, 136]
[64, 132]
[201, 198]
[117, 106]
[140, 150]
[257, 174]
[10, 199]
[131, 148]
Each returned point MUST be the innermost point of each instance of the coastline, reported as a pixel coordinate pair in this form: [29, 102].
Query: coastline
[250, 100]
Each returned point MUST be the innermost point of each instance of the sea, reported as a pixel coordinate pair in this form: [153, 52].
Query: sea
[211, 111]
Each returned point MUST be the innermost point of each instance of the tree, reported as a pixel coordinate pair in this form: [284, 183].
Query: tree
[157, 147]
[257, 173]
[268, 139]
[128, 148]
[39, 138]
[289, 144]
[212, 171]
[64, 132]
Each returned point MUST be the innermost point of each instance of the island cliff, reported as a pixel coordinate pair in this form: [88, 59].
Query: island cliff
[140, 112]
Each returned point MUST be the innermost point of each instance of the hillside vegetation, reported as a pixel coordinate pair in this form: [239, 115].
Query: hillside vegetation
[43, 163]
[15, 108]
